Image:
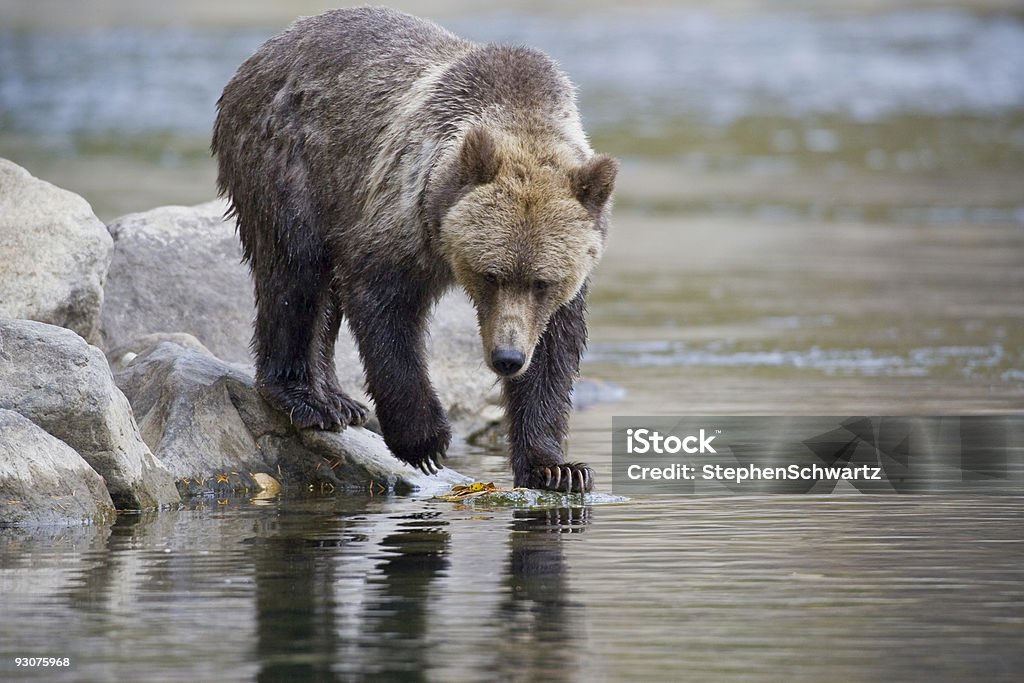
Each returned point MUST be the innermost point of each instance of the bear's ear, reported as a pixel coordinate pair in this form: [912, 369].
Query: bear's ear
[593, 182]
[477, 163]
[478, 158]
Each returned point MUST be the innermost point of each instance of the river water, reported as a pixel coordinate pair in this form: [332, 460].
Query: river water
[817, 214]
[849, 588]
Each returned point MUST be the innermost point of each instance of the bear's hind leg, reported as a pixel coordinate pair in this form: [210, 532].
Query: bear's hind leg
[293, 309]
[352, 411]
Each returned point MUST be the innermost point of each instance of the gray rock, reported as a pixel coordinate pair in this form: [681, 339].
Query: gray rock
[43, 481]
[206, 423]
[124, 354]
[52, 377]
[54, 254]
[178, 269]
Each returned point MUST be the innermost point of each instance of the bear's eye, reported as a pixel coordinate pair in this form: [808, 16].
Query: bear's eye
[491, 278]
[541, 287]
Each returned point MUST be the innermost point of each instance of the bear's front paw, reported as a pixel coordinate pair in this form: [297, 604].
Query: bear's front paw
[425, 454]
[573, 477]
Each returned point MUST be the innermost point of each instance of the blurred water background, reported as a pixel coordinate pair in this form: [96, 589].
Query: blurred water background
[820, 211]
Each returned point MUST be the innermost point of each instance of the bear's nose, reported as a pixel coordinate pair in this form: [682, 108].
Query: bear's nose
[507, 361]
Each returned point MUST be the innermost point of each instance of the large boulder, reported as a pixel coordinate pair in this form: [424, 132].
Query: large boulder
[54, 254]
[52, 377]
[178, 269]
[43, 481]
[204, 420]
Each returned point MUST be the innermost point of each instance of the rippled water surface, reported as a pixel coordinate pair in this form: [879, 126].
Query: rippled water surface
[817, 213]
[848, 588]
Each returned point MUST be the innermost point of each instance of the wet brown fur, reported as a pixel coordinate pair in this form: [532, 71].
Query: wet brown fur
[373, 160]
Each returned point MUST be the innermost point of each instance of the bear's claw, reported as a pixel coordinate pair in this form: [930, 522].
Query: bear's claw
[568, 477]
[307, 409]
[431, 465]
[424, 455]
[351, 412]
[305, 415]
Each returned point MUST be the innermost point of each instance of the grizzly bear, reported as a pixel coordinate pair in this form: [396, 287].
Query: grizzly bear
[372, 161]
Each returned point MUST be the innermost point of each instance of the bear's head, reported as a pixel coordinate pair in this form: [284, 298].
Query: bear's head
[523, 228]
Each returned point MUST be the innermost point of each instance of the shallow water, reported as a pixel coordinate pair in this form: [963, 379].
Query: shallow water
[744, 588]
[817, 214]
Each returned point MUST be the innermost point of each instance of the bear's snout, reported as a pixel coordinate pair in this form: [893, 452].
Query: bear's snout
[507, 362]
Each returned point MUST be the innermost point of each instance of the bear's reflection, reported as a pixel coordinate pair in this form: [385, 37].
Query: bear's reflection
[535, 615]
[365, 607]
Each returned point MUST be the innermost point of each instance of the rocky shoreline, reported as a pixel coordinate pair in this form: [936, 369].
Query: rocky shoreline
[125, 380]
